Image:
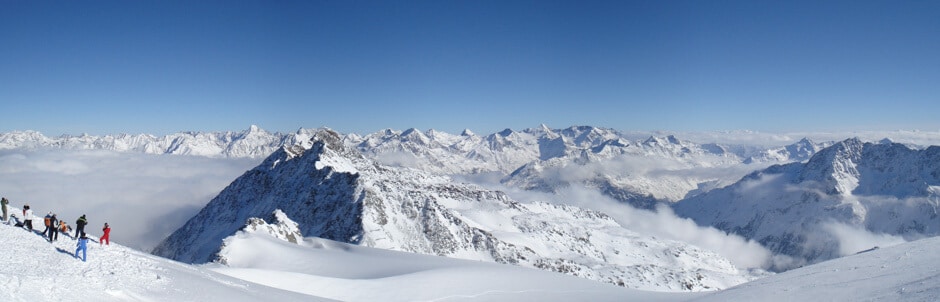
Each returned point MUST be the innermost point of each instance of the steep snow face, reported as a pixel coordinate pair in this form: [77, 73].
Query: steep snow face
[323, 200]
[414, 211]
[882, 188]
[34, 269]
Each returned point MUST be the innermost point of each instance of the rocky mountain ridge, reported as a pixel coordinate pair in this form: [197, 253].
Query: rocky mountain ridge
[333, 192]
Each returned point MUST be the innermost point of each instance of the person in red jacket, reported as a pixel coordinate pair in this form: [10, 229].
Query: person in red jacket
[106, 238]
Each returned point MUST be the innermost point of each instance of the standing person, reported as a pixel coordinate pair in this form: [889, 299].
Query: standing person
[106, 238]
[53, 229]
[27, 217]
[80, 225]
[4, 203]
[82, 245]
[46, 221]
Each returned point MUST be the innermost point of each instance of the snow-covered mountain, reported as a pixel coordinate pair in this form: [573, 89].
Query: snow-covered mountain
[799, 151]
[641, 172]
[797, 209]
[253, 142]
[327, 190]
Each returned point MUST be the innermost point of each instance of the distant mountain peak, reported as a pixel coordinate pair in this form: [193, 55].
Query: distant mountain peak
[667, 140]
[506, 132]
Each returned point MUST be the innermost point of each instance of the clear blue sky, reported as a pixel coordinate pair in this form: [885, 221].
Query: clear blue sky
[361, 66]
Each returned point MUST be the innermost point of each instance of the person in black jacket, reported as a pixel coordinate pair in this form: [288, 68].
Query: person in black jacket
[80, 226]
[53, 228]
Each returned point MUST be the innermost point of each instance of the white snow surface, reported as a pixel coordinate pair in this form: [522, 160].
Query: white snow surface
[906, 272]
[355, 273]
[33, 269]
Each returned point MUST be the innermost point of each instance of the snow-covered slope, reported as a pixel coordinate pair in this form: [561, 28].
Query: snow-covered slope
[335, 193]
[33, 269]
[906, 272]
[355, 273]
[798, 208]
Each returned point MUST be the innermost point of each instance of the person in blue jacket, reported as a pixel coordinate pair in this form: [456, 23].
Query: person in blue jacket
[82, 246]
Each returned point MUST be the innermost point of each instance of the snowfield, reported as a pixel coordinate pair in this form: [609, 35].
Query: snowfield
[32, 269]
[355, 273]
[905, 272]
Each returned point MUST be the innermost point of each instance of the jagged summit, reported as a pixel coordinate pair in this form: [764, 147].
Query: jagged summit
[799, 151]
[506, 132]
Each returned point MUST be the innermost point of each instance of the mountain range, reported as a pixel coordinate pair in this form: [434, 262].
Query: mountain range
[397, 190]
[328, 190]
[641, 172]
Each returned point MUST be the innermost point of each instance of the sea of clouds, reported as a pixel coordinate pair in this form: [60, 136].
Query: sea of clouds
[143, 197]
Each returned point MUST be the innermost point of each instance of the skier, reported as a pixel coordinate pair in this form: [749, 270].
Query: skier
[46, 221]
[53, 228]
[27, 217]
[5, 202]
[80, 225]
[106, 238]
[82, 245]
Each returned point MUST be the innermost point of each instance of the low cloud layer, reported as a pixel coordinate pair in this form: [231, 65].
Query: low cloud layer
[143, 197]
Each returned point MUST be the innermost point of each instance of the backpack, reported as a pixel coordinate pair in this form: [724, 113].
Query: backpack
[48, 221]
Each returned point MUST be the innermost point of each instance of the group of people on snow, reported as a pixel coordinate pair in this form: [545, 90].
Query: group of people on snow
[54, 226]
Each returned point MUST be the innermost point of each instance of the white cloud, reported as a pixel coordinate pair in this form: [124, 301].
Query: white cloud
[853, 239]
[143, 197]
[398, 159]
